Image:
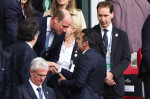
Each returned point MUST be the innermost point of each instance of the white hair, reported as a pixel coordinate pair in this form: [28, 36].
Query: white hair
[39, 62]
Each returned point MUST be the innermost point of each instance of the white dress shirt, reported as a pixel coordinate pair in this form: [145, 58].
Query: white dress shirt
[109, 32]
[35, 89]
[65, 55]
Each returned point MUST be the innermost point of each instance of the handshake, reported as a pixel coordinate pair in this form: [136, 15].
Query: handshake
[53, 68]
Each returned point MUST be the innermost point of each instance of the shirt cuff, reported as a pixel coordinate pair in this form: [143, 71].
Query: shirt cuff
[59, 70]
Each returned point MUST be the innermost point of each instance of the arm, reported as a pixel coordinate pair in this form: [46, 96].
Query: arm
[80, 74]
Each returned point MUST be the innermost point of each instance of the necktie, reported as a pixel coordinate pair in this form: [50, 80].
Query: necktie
[47, 40]
[105, 38]
[40, 93]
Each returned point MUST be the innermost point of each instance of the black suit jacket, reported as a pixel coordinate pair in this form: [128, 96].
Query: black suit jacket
[9, 17]
[52, 53]
[21, 56]
[25, 91]
[87, 80]
[145, 62]
[5, 74]
[120, 56]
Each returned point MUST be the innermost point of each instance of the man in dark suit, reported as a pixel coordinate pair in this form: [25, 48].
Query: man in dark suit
[5, 74]
[34, 87]
[144, 71]
[52, 35]
[87, 80]
[21, 51]
[114, 46]
[10, 15]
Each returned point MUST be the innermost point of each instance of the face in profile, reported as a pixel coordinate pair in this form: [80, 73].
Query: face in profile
[104, 16]
[80, 42]
[61, 26]
[38, 76]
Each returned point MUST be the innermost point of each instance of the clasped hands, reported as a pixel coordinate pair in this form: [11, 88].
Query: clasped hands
[53, 68]
[109, 80]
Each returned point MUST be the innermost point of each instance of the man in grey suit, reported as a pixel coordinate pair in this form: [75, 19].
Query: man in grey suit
[34, 87]
[114, 46]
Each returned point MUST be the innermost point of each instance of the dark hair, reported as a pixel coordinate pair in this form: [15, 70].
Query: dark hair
[60, 14]
[91, 36]
[29, 9]
[105, 4]
[27, 29]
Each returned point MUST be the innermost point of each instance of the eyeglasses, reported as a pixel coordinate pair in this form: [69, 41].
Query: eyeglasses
[40, 75]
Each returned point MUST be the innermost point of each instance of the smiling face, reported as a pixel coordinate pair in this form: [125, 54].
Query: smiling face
[104, 16]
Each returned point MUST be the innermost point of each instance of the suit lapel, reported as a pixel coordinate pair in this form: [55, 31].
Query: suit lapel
[115, 40]
[30, 90]
[101, 45]
[46, 93]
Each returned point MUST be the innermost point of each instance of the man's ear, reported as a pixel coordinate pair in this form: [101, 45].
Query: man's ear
[55, 19]
[86, 43]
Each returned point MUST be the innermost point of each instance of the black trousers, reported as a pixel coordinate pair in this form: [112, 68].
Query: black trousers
[146, 79]
[109, 93]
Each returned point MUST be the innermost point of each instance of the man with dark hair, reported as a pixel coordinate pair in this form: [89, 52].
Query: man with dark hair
[114, 46]
[87, 80]
[52, 35]
[144, 71]
[21, 51]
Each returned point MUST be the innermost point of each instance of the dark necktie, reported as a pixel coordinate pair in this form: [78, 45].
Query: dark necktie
[40, 93]
[105, 38]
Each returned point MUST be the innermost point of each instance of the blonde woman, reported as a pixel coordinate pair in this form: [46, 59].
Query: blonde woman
[70, 5]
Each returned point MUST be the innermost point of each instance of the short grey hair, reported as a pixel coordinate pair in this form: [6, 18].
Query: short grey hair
[39, 62]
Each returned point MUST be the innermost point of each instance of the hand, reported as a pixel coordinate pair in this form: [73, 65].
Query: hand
[61, 78]
[109, 79]
[53, 70]
[110, 83]
[53, 64]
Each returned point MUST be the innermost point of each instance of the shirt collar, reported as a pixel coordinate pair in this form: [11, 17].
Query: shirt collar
[109, 28]
[85, 51]
[29, 44]
[34, 86]
[48, 24]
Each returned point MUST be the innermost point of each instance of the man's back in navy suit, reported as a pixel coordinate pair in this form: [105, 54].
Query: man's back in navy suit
[10, 15]
[87, 80]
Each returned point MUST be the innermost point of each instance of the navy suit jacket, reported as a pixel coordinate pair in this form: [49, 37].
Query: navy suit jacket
[21, 56]
[25, 91]
[10, 15]
[87, 80]
[52, 53]
[120, 56]
[5, 74]
[145, 62]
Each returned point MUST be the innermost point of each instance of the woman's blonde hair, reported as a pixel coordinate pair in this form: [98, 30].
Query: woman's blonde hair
[70, 7]
[77, 27]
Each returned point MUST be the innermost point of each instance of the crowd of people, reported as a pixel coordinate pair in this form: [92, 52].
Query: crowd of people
[52, 55]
